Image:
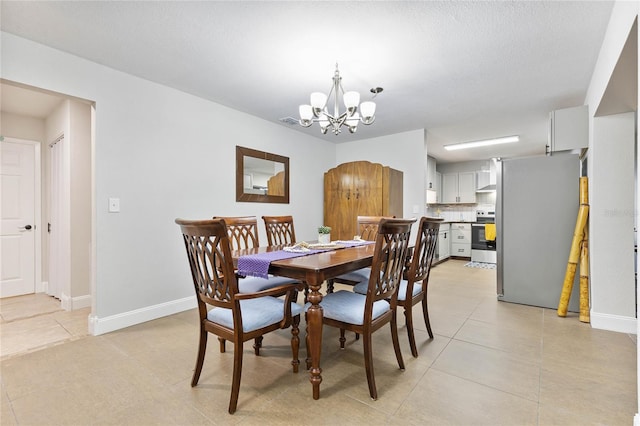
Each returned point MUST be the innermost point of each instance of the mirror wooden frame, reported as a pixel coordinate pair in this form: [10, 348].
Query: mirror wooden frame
[241, 153]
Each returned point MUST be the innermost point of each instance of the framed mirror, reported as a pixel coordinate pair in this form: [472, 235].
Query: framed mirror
[261, 177]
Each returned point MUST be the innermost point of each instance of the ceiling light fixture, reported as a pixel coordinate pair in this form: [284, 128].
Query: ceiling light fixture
[486, 142]
[317, 112]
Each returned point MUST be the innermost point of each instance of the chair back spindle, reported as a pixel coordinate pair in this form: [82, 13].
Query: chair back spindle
[243, 231]
[392, 245]
[368, 226]
[280, 230]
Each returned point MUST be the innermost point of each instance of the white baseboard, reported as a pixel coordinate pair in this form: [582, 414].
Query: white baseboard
[104, 325]
[636, 420]
[42, 286]
[80, 302]
[65, 302]
[614, 323]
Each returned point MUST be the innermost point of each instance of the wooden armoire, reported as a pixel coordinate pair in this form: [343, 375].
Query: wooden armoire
[359, 188]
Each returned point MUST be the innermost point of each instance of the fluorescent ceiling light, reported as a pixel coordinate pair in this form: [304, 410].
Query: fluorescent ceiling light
[486, 142]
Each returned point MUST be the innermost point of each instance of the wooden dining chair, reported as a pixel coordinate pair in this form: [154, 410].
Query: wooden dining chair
[234, 316]
[367, 227]
[280, 230]
[416, 278]
[364, 314]
[243, 234]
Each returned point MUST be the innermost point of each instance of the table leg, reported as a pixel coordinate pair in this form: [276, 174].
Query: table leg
[314, 334]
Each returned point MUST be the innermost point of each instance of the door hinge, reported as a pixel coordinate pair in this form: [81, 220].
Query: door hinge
[49, 227]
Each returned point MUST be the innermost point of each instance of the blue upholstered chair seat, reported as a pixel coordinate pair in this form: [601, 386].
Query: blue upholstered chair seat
[355, 276]
[256, 284]
[362, 286]
[348, 307]
[256, 313]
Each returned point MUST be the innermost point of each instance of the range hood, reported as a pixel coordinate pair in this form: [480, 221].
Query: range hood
[488, 188]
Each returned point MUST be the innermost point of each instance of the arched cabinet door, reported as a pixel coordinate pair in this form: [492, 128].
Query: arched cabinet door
[360, 188]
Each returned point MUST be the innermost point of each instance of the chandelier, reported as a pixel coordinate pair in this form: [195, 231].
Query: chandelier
[317, 112]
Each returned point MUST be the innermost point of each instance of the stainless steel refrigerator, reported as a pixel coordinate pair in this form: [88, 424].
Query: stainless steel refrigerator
[537, 205]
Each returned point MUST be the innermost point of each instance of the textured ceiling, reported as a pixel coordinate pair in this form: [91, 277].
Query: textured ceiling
[461, 70]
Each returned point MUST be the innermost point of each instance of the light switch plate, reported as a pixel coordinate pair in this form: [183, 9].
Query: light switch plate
[114, 205]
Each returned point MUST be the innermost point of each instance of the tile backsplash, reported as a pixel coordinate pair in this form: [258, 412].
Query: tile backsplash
[462, 213]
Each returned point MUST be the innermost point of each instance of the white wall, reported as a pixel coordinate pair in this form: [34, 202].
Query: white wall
[612, 221]
[402, 151]
[165, 154]
[21, 127]
[611, 188]
[80, 208]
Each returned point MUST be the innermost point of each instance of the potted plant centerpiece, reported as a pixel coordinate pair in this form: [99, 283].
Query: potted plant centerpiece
[324, 234]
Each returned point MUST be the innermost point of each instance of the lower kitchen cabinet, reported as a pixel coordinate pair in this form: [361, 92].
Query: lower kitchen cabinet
[442, 246]
[461, 240]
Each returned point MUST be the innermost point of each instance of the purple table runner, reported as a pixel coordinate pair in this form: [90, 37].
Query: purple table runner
[257, 265]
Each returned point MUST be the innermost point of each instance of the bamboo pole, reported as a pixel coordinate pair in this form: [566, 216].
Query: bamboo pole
[584, 279]
[574, 253]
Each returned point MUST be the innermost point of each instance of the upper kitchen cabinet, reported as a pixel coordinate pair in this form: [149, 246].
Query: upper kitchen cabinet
[431, 173]
[434, 190]
[569, 129]
[459, 187]
[360, 188]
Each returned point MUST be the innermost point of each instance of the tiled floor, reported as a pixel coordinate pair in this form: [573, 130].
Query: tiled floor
[490, 363]
[36, 321]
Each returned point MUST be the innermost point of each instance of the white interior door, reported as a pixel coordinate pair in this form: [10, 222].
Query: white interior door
[17, 212]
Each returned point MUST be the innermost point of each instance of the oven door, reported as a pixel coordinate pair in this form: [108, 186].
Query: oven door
[478, 240]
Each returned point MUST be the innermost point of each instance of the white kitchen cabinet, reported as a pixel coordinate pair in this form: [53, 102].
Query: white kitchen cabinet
[569, 128]
[432, 196]
[459, 187]
[434, 186]
[431, 174]
[460, 240]
[442, 246]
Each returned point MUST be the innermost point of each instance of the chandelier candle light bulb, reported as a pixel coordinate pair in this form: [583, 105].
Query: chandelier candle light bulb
[317, 112]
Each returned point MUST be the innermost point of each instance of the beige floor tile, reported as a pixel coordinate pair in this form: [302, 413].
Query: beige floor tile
[42, 331]
[75, 322]
[492, 368]
[443, 399]
[7, 417]
[587, 350]
[294, 407]
[574, 396]
[480, 369]
[510, 314]
[525, 343]
[58, 366]
[156, 410]
[13, 308]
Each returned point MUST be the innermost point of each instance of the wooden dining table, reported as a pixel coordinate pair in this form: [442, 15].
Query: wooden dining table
[314, 269]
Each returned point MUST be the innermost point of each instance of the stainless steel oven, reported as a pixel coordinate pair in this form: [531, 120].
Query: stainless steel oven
[483, 250]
